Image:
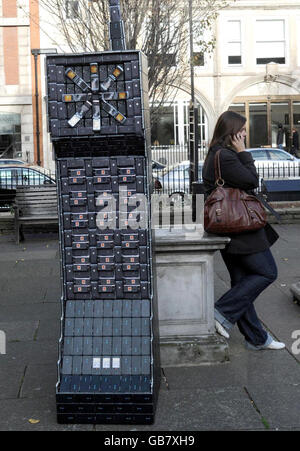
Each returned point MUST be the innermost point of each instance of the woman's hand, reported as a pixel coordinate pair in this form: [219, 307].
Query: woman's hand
[238, 143]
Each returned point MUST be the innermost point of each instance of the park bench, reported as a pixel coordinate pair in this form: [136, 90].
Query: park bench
[35, 205]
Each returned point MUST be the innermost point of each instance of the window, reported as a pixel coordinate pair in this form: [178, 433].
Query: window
[238, 108]
[270, 41]
[10, 135]
[187, 173]
[259, 154]
[162, 132]
[72, 9]
[198, 59]
[234, 42]
[171, 126]
[277, 155]
[165, 59]
[258, 123]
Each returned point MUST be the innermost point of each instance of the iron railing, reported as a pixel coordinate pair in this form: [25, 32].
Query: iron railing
[12, 178]
[175, 178]
[170, 155]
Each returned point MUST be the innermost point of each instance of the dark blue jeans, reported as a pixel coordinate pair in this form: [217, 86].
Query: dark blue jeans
[250, 274]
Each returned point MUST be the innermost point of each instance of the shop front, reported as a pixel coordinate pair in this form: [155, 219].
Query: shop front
[272, 121]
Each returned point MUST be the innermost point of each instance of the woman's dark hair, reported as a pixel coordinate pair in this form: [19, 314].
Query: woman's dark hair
[228, 125]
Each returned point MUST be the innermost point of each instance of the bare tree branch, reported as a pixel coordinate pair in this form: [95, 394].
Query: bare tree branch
[159, 28]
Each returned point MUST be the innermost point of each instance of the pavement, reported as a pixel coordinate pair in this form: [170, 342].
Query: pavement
[253, 391]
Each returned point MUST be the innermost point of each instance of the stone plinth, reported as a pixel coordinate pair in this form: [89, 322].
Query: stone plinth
[185, 288]
[295, 289]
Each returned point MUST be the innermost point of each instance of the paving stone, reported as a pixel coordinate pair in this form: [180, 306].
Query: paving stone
[49, 330]
[190, 399]
[226, 408]
[19, 330]
[16, 413]
[11, 376]
[278, 404]
[33, 352]
[30, 311]
[39, 381]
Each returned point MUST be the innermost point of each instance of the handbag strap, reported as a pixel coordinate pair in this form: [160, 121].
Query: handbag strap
[268, 206]
[217, 165]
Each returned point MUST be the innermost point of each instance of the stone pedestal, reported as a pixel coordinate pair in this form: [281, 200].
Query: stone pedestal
[185, 288]
[295, 289]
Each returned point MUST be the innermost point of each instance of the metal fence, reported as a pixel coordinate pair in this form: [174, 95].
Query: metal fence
[11, 178]
[175, 178]
[170, 155]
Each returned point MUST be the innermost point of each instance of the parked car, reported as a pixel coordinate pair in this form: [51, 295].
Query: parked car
[156, 165]
[177, 179]
[158, 168]
[271, 162]
[273, 154]
[11, 161]
[13, 176]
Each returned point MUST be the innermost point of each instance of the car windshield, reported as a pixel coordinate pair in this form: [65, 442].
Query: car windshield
[279, 155]
[259, 154]
[187, 172]
[157, 165]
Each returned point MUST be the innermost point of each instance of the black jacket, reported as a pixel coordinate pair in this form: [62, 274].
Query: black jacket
[238, 171]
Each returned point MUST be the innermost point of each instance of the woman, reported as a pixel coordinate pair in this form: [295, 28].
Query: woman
[247, 257]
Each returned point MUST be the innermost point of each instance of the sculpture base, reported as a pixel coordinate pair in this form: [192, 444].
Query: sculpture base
[193, 351]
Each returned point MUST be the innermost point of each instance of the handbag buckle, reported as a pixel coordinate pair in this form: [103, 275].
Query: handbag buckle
[220, 182]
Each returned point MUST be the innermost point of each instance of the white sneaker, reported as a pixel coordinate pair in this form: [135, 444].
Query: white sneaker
[220, 329]
[275, 345]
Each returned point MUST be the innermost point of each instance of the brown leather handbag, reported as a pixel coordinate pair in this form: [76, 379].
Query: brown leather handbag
[231, 210]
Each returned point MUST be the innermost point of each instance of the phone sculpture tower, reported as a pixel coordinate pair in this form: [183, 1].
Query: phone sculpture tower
[98, 110]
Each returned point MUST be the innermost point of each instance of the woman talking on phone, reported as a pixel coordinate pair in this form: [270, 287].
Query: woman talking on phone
[247, 257]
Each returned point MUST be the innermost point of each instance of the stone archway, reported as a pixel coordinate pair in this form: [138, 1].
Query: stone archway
[204, 102]
[290, 81]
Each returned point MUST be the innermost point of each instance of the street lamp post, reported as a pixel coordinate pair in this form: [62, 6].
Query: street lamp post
[35, 53]
[193, 138]
[192, 51]
[193, 119]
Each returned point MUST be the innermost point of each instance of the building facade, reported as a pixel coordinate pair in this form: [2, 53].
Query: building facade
[23, 124]
[254, 69]
[16, 134]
